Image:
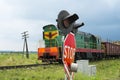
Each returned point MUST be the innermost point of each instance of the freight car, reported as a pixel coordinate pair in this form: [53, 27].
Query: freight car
[88, 46]
[111, 50]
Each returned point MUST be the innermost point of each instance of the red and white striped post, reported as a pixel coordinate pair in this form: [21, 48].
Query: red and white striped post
[69, 48]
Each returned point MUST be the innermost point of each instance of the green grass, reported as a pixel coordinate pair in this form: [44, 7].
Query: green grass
[36, 73]
[17, 59]
[106, 70]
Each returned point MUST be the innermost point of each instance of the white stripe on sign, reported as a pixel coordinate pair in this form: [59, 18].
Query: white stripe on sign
[66, 70]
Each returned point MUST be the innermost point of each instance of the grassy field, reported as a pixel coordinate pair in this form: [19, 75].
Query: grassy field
[106, 70]
[17, 59]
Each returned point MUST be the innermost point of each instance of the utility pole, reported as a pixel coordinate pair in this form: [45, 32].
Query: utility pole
[25, 45]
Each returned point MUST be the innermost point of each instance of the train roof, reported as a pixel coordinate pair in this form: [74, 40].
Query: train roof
[87, 34]
[110, 43]
[49, 27]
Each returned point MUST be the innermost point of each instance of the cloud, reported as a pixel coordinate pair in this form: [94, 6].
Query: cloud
[101, 17]
[11, 37]
[13, 23]
[4, 10]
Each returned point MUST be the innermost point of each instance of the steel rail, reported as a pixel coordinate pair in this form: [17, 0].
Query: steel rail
[22, 66]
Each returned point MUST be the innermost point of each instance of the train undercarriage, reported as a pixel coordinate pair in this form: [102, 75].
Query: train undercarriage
[54, 54]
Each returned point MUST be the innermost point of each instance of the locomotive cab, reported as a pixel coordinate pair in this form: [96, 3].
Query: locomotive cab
[53, 43]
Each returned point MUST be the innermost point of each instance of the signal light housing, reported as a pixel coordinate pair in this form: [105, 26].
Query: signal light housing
[66, 22]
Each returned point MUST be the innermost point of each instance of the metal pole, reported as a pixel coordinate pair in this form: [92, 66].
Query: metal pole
[27, 53]
[23, 48]
[66, 78]
[25, 45]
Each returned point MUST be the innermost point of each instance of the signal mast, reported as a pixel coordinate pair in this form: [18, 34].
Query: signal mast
[66, 24]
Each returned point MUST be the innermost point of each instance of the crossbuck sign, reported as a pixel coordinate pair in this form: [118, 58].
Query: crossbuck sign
[69, 48]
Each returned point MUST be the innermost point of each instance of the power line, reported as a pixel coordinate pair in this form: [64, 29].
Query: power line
[25, 45]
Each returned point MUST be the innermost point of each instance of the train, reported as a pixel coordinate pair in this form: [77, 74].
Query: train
[88, 46]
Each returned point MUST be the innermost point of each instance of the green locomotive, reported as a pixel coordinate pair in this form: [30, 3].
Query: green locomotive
[88, 46]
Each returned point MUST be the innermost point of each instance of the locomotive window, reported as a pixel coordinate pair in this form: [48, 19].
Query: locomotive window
[81, 37]
[50, 27]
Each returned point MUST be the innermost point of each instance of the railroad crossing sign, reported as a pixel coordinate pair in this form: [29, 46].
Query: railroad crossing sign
[66, 23]
[69, 49]
[68, 54]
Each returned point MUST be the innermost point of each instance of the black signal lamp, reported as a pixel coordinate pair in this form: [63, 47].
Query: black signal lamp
[69, 20]
[66, 22]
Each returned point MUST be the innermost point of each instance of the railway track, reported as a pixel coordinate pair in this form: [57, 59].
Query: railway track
[22, 66]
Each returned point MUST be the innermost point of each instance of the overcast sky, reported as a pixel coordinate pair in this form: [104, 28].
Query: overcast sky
[101, 17]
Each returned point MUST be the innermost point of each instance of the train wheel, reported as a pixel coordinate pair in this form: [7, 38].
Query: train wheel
[60, 61]
[77, 56]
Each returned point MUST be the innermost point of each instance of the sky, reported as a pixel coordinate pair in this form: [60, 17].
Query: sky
[101, 17]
